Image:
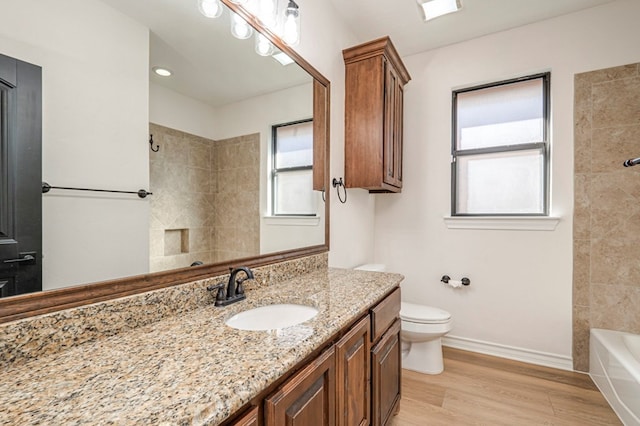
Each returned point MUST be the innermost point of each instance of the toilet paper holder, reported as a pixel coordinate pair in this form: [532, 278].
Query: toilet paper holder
[446, 278]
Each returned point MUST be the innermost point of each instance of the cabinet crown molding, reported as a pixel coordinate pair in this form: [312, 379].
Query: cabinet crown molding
[380, 46]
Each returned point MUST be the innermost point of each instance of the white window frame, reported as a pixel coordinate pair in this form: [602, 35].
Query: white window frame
[543, 146]
[276, 171]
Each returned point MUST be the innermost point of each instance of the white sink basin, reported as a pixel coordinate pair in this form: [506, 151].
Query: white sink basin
[272, 317]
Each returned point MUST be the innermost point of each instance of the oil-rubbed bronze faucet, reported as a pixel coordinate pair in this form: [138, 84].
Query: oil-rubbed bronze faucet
[234, 291]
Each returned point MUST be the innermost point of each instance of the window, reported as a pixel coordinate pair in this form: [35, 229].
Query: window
[292, 174]
[500, 149]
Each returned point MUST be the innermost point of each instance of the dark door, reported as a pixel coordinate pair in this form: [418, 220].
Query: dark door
[20, 177]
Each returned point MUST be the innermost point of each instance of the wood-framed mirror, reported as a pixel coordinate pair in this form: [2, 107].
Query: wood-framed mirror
[87, 147]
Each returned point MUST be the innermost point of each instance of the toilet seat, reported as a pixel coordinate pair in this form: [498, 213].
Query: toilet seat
[421, 314]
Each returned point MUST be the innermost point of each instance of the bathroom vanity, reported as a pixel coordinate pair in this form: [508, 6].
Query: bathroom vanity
[341, 367]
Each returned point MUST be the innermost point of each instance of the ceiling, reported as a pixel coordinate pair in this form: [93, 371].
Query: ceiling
[400, 19]
[212, 66]
[208, 63]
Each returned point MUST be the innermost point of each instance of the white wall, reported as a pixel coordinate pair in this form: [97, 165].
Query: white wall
[324, 36]
[176, 111]
[520, 293]
[95, 82]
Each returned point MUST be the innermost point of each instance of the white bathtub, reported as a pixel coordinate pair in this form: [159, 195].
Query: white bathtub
[614, 358]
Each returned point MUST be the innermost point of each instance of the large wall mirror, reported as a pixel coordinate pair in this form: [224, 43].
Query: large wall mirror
[237, 163]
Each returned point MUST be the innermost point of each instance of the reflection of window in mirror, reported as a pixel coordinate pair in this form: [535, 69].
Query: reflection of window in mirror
[292, 164]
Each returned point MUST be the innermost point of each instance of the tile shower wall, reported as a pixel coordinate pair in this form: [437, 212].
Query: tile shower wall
[606, 247]
[236, 166]
[205, 203]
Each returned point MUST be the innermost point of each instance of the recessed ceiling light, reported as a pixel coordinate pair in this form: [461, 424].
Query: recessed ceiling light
[433, 8]
[163, 72]
[283, 58]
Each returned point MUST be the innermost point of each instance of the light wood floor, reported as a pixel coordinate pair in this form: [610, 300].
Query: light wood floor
[478, 389]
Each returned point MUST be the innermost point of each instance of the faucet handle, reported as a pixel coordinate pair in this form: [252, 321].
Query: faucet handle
[222, 292]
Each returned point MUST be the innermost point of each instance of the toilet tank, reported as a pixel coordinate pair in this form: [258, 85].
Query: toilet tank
[377, 267]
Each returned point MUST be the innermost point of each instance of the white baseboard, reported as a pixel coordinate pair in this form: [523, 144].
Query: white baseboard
[510, 352]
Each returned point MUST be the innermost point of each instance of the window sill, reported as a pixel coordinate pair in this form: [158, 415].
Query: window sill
[525, 223]
[292, 220]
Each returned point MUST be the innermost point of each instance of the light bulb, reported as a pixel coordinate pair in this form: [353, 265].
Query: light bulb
[263, 45]
[267, 12]
[210, 8]
[291, 30]
[239, 27]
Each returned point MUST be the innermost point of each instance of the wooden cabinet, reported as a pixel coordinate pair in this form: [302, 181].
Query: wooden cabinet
[308, 398]
[249, 419]
[374, 91]
[386, 368]
[354, 382]
[385, 359]
[353, 376]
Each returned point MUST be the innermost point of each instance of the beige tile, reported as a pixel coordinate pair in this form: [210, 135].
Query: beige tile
[214, 182]
[228, 181]
[225, 238]
[176, 241]
[199, 154]
[581, 93]
[607, 74]
[616, 103]
[611, 146]
[248, 178]
[615, 261]
[582, 141]
[225, 210]
[199, 240]
[581, 275]
[615, 307]
[199, 180]
[248, 241]
[156, 242]
[200, 210]
[629, 231]
[611, 203]
[582, 211]
[581, 330]
[226, 155]
[176, 150]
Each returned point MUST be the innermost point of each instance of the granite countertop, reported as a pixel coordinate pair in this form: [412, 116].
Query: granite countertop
[186, 369]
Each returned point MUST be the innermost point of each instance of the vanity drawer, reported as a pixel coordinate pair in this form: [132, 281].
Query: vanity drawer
[384, 314]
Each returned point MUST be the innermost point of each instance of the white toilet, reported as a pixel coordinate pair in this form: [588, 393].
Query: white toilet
[421, 332]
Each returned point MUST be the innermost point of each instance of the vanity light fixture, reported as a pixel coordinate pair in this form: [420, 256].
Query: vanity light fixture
[291, 27]
[431, 9]
[264, 47]
[239, 27]
[268, 13]
[210, 8]
[162, 72]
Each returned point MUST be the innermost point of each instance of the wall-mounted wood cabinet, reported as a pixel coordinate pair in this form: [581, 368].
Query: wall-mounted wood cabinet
[374, 92]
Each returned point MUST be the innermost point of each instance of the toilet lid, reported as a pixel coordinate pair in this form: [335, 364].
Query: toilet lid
[423, 314]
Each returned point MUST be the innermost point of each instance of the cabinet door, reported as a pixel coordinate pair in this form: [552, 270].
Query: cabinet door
[391, 139]
[308, 398]
[398, 131]
[385, 365]
[352, 368]
[249, 419]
